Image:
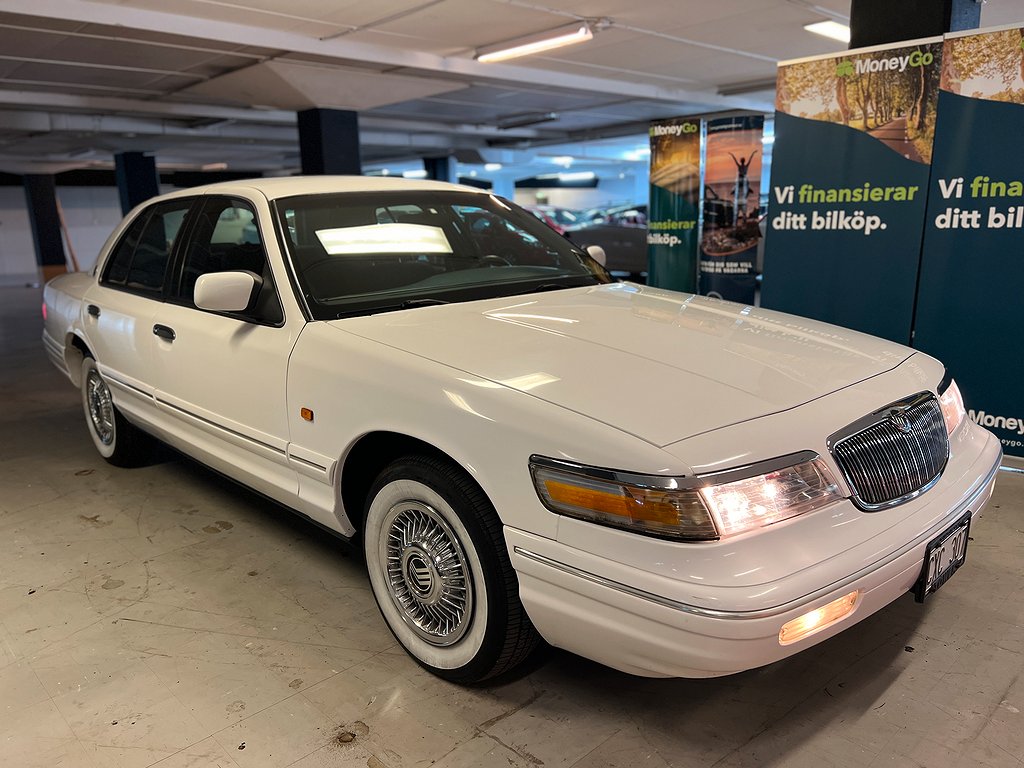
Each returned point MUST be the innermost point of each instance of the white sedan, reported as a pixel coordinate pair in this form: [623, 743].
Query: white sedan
[523, 448]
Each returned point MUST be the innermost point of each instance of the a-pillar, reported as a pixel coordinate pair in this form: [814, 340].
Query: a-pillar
[329, 142]
[137, 179]
[442, 168]
[44, 218]
[877, 22]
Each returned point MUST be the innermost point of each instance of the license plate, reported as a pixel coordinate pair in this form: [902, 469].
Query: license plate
[945, 553]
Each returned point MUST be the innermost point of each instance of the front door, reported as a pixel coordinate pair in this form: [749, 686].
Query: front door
[221, 377]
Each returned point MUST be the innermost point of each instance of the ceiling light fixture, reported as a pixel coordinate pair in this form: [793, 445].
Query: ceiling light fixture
[831, 29]
[578, 32]
[492, 166]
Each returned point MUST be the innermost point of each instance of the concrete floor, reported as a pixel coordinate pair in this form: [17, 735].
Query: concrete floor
[163, 616]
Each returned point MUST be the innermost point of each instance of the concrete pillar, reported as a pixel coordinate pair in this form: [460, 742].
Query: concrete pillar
[504, 185]
[329, 142]
[43, 217]
[442, 168]
[877, 22]
[137, 179]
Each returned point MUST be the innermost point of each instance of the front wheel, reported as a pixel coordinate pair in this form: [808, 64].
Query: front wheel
[441, 574]
[118, 441]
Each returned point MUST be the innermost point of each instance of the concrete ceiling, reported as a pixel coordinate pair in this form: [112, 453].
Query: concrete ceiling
[202, 82]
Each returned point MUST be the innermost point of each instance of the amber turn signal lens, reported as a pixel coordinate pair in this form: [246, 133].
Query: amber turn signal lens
[620, 502]
[818, 619]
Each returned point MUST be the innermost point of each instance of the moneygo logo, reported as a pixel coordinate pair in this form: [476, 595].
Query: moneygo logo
[676, 129]
[844, 68]
[998, 422]
[893, 63]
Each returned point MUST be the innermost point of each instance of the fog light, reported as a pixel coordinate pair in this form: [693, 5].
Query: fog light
[818, 619]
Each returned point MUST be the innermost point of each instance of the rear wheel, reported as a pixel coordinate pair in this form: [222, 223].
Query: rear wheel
[118, 441]
[440, 571]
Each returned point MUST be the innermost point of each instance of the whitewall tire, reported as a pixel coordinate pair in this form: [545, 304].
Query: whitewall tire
[118, 441]
[440, 572]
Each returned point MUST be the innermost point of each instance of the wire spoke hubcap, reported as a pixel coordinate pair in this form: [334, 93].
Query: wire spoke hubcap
[426, 572]
[101, 407]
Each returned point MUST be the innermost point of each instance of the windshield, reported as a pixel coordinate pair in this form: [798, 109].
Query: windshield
[359, 253]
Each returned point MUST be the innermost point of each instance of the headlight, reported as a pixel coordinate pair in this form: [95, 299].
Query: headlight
[952, 405]
[687, 509]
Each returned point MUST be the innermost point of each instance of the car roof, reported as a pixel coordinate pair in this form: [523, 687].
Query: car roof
[287, 186]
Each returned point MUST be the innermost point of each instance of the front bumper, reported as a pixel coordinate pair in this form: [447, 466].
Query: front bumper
[599, 609]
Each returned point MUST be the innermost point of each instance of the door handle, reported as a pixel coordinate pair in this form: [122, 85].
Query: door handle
[163, 332]
[93, 310]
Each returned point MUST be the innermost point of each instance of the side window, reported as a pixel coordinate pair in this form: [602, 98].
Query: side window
[226, 238]
[139, 261]
[121, 259]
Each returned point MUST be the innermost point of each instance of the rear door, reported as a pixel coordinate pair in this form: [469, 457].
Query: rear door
[119, 309]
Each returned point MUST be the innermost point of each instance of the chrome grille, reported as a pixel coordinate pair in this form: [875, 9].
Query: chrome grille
[893, 454]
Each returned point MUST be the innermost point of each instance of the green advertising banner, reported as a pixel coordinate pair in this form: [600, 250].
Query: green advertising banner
[853, 143]
[972, 267]
[675, 197]
[732, 188]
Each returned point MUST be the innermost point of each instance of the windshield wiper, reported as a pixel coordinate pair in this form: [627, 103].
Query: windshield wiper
[408, 304]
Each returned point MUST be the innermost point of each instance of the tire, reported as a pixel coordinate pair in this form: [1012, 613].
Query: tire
[119, 442]
[440, 571]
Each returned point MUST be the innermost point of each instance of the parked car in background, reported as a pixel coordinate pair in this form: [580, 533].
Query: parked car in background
[437, 376]
[621, 231]
[556, 218]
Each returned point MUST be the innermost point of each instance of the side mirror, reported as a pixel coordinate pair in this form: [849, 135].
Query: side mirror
[227, 291]
[596, 252]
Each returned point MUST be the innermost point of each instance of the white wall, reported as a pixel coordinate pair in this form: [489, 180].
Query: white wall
[17, 254]
[91, 213]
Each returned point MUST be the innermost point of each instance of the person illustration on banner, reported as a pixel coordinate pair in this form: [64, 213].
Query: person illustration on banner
[741, 189]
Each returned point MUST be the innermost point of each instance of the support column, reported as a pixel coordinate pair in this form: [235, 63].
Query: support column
[329, 142]
[877, 22]
[137, 179]
[43, 217]
[504, 185]
[442, 168]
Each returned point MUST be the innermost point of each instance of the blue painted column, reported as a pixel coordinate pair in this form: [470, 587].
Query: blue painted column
[43, 217]
[137, 179]
[504, 185]
[329, 142]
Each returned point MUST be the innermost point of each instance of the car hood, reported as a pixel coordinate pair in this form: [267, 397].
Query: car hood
[660, 365]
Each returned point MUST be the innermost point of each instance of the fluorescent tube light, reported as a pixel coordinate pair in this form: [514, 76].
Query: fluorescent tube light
[832, 29]
[492, 166]
[577, 176]
[417, 174]
[578, 32]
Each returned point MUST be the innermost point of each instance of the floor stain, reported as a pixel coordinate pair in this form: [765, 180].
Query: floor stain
[224, 525]
[235, 706]
[346, 734]
[95, 520]
[112, 584]
[296, 683]
[211, 529]
[84, 472]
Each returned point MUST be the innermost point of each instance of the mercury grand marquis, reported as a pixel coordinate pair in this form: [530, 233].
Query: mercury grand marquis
[523, 448]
